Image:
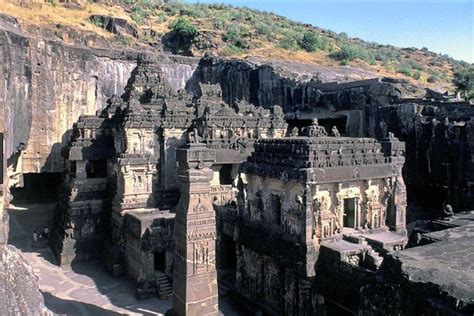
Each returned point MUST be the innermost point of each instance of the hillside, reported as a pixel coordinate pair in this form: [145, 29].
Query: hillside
[194, 29]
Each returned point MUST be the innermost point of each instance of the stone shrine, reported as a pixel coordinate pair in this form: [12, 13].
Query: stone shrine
[197, 198]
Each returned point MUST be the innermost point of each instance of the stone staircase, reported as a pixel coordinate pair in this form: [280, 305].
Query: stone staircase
[373, 256]
[373, 259]
[163, 284]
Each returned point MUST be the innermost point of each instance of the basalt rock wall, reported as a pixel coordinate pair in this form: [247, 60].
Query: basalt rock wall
[439, 141]
[295, 89]
[47, 85]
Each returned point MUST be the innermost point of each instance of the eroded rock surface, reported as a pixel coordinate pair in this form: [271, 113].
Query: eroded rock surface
[434, 279]
[19, 294]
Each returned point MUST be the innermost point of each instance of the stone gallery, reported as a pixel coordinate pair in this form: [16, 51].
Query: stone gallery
[288, 197]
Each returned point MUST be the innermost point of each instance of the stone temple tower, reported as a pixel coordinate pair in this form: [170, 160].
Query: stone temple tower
[195, 277]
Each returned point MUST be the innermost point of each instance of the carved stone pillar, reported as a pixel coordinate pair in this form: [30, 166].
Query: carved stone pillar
[395, 151]
[195, 277]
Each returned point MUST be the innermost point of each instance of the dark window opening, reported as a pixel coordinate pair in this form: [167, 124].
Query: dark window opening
[160, 261]
[339, 122]
[72, 168]
[260, 206]
[350, 216]
[38, 187]
[225, 175]
[96, 169]
[227, 256]
[276, 208]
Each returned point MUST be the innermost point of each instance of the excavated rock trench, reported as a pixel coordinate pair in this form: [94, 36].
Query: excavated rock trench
[48, 85]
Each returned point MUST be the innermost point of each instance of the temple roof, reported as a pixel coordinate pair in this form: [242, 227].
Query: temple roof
[317, 152]
[322, 159]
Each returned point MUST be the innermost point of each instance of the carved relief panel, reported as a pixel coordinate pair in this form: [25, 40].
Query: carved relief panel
[200, 256]
[373, 216]
[324, 221]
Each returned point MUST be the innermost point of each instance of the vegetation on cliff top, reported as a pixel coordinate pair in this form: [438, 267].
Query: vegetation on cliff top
[193, 29]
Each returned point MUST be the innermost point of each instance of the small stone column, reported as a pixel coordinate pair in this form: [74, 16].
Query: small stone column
[194, 273]
[394, 150]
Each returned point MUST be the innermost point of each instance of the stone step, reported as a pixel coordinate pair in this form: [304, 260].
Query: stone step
[163, 283]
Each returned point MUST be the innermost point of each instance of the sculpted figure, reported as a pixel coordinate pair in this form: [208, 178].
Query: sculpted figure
[383, 128]
[193, 136]
[316, 210]
[335, 132]
[448, 210]
[387, 192]
[314, 130]
[294, 132]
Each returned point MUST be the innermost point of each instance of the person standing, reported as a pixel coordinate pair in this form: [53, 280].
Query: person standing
[45, 232]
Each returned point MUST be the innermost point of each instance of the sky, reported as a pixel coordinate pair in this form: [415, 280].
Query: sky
[442, 26]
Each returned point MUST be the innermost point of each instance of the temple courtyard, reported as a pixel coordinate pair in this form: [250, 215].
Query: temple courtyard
[85, 289]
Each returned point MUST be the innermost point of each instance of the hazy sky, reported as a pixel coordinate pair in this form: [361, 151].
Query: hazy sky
[442, 26]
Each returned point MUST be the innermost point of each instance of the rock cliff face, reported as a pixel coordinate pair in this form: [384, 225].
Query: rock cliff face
[19, 294]
[291, 85]
[48, 85]
[439, 147]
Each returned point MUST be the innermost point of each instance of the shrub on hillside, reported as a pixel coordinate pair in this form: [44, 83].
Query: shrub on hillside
[288, 43]
[232, 50]
[386, 53]
[309, 42]
[464, 82]
[432, 79]
[139, 14]
[184, 27]
[416, 75]
[237, 35]
[218, 22]
[416, 65]
[174, 7]
[403, 69]
[162, 17]
[196, 11]
[352, 51]
[264, 29]
[148, 4]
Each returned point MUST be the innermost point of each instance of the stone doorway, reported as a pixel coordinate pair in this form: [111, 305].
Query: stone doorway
[350, 213]
[227, 254]
[160, 261]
